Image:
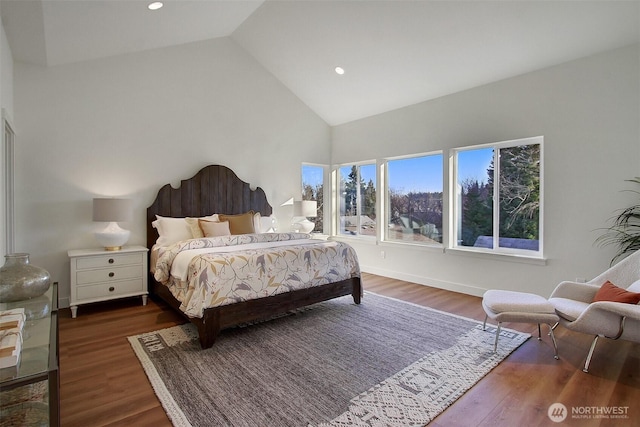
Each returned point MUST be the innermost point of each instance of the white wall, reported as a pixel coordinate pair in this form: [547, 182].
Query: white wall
[587, 110]
[125, 126]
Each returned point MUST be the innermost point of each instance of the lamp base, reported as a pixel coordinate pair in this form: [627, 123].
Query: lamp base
[303, 226]
[112, 238]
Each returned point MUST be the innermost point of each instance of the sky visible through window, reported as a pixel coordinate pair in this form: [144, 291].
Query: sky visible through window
[312, 175]
[403, 174]
[472, 164]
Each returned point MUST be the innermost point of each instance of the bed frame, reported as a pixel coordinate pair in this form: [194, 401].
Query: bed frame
[217, 189]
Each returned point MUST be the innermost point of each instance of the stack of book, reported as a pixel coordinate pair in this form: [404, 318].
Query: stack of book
[11, 324]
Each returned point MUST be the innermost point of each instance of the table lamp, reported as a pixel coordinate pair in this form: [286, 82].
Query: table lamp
[304, 209]
[112, 211]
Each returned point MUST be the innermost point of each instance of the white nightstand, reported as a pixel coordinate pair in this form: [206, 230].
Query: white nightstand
[99, 275]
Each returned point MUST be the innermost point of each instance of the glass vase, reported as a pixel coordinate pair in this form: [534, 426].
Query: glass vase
[19, 280]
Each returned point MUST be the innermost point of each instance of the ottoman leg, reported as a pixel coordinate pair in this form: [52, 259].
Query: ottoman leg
[539, 333]
[495, 345]
[484, 325]
[555, 344]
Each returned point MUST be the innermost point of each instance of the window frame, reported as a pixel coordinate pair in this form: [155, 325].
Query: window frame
[337, 200]
[454, 200]
[322, 207]
[386, 205]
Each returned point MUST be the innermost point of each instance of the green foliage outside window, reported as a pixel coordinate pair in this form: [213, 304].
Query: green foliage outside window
[625, 230]
[518, 201]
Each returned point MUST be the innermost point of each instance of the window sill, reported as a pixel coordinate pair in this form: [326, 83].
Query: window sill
[370, 240]
[413, 245]
[499, 256]
[525, 259]
[355, 238]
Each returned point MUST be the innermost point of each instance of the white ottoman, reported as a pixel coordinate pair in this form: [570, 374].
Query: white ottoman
[519, 307]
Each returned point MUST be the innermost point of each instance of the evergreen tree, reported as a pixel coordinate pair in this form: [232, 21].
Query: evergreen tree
[351, 193]
[477, 218]
[368, 194]
[315, 193]
[520, 191]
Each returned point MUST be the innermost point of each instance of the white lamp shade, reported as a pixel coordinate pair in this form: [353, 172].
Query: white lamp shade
[305, 208]
[112, 210]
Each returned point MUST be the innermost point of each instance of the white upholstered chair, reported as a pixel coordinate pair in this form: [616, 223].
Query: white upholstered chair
[614, 320]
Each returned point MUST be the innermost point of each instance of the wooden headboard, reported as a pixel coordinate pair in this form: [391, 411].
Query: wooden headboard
[214, 189]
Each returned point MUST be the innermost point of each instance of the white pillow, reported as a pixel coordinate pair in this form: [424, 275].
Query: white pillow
[194, 225]
[171, 230]
[268, 224]
[634, 287]
[264, 224]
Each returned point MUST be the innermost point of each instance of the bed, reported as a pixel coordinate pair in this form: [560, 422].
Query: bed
[217, 189]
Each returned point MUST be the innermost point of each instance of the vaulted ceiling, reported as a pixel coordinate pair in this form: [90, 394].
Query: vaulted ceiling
[394, 53]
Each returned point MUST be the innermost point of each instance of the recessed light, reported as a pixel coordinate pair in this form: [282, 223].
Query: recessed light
[155, 5]
[339, 70]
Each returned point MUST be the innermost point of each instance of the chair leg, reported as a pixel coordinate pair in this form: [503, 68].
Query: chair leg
[484, 325]
[495, 345]
[588, 361]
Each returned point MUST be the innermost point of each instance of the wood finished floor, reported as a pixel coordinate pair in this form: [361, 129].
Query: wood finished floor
[103, 384]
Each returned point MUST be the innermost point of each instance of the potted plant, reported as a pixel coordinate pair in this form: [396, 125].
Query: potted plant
[625, 231]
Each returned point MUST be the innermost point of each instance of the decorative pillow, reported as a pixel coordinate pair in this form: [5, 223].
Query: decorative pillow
[196, 231]
[634, 287]
[268, 224]
[171, 230]
[194, 226]
[214, 228]
[611, 292]
[239, 224]
[257, 223]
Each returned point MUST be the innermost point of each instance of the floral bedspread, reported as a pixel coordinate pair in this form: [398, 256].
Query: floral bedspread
[216, 279]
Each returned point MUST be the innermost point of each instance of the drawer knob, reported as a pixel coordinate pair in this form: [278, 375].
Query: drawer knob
[111, 289]
[111, 261]
[112, 274]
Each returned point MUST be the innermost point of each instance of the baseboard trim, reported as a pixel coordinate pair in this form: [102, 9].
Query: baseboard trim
[63, 302]
[427, 281]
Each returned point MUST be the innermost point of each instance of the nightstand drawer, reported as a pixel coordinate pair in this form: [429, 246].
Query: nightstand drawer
[108, 290]
[108, 274]
[98, 275]
[109, 260]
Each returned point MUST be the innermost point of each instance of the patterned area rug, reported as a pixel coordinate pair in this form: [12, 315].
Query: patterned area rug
[382, 363]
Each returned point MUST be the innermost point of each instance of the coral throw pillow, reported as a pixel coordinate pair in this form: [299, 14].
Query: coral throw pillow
[611, 292]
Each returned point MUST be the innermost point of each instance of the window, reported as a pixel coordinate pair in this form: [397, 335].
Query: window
[357, 200]
[414, 199]
[313, 189]
[498, 201]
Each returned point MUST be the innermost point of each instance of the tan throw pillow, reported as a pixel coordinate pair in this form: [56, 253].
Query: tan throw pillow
[214, 228]
[239, 224]
[194, 226]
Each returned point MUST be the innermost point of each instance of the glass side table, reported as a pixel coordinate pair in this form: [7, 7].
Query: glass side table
[29, 391]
